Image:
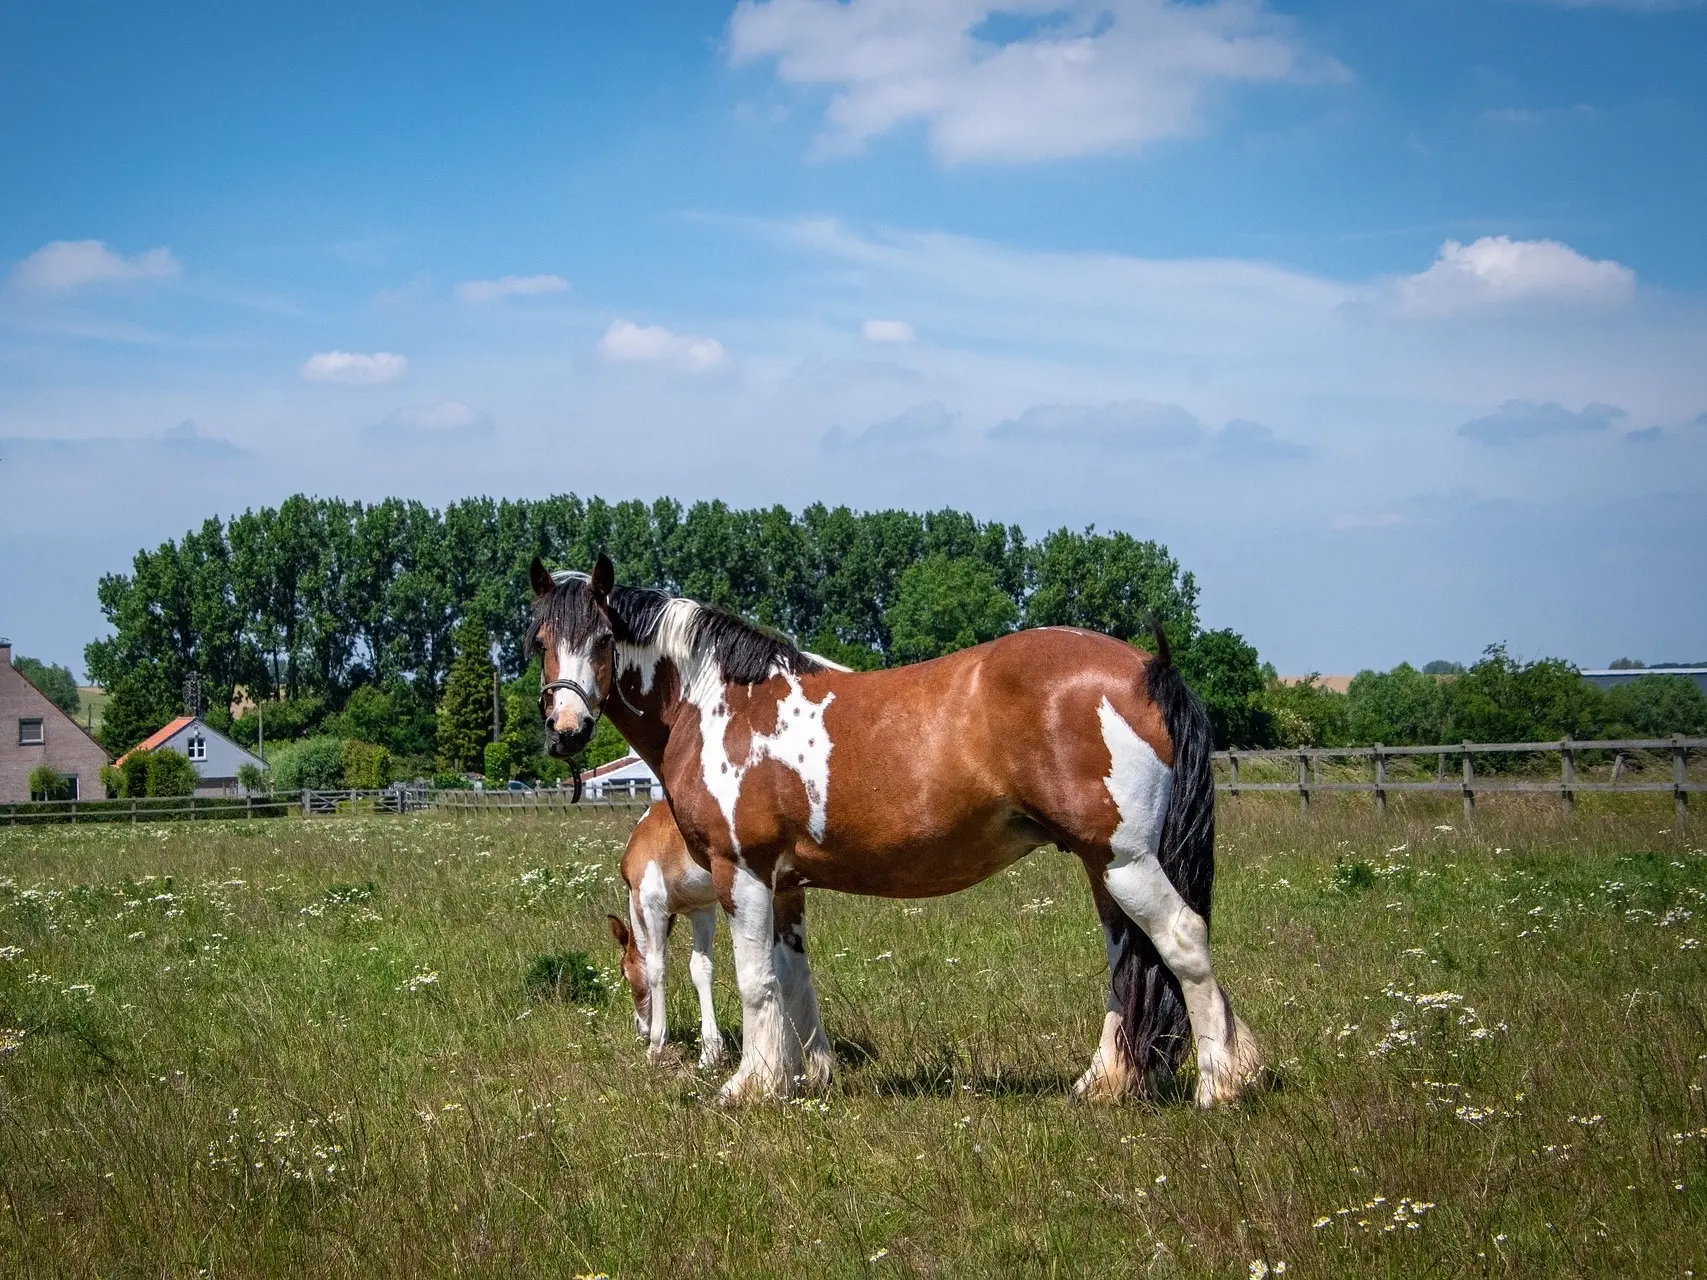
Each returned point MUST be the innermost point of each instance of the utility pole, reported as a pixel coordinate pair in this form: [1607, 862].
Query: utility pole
[495, 728]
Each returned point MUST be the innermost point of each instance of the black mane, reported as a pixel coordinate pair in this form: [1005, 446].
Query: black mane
[745, 653]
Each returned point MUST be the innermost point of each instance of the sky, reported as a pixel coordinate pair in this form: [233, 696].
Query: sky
[1390, 321]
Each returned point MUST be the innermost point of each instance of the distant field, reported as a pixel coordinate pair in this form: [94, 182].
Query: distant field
[92, 705]
[295, 1047]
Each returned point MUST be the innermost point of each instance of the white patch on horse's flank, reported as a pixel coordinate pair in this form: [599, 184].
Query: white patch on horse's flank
[1139, 784]
[799, 742]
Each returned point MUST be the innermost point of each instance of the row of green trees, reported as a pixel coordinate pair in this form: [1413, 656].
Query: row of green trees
[347, 620]
[1499, 699]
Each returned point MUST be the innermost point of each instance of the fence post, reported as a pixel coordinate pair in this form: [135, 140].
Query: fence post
[1567, 775]
[1380, 781]
[1679, 776]
[1233, 764]
[1303, 782]
[1469, 785]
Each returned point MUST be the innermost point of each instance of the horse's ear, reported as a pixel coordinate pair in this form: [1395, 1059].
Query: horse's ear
[618, 930]
[540, 577]
[604, 576]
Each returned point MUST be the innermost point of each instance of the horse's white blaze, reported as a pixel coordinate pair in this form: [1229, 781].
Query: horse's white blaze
[1140, 785]
[579, 668]
[799, 742]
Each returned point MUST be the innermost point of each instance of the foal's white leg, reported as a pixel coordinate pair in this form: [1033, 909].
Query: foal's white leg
[806, 1028]
[704, 932]
[1141, 787]
[767, 1067]
[651, 908]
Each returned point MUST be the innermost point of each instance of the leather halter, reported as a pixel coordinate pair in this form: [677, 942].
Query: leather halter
[552, 686]
[592, 704]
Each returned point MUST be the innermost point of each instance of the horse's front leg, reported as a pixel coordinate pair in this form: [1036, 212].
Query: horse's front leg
[806, 1029]
[651, 911]
[768, 1068]
[704, 933]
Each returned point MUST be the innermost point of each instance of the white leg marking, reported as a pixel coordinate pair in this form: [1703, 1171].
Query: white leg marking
[654, 932]
[767, 1068]
[1141, 785]
[704, 932]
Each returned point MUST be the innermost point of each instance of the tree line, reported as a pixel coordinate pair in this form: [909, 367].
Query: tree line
[344, 617]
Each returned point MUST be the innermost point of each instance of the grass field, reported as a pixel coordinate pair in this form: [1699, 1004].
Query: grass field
[295, 1047]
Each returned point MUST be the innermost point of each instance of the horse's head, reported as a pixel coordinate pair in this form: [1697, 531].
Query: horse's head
[634, 971]
[572, 632]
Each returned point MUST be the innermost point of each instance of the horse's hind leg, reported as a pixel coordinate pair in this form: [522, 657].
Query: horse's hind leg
[699, 967]
[1227, 1056]
[1112, 1074]
[806, 1029]
[768, 1067]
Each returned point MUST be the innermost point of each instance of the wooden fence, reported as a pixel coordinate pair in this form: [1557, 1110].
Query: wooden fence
[1464, 780]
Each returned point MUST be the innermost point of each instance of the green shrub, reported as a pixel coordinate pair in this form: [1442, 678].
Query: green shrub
[366, 767]
[1306, 715]
[314, 764]
[171, 774]
[1403, 707]
[497, 763]
[569, 976]
[113, 781]
[253, 779]
[48, 783]
[1658, 706]
[135, 773]
[452, 782]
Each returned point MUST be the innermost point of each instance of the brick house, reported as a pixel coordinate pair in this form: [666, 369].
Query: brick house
[34, 732]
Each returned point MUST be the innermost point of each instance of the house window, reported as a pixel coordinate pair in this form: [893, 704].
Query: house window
[198, 747]
[31, 733]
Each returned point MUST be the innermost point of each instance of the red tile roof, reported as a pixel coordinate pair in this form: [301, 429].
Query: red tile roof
[156, 738]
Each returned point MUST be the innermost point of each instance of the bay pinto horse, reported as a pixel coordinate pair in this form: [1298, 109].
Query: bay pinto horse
[664, 882]
[913, 782]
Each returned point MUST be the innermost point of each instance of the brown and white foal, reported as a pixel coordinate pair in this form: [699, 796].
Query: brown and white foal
[665, 882]
[913, 782]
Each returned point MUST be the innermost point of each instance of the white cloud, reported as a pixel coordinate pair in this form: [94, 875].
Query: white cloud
[70, 264]
[886, 331]
[352, 368]
[1497, 271]
[443, 420]
[1518, 420]
[1026, 80]
[628, 343]
[909, 429]
[509, 287]
[1129, 424]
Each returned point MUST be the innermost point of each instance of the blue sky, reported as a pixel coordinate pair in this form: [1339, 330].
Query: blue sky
[1391, 320]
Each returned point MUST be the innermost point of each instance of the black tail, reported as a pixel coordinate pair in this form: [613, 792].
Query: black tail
[1153, 1014]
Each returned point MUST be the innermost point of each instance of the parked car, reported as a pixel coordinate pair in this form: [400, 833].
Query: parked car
[516, 784]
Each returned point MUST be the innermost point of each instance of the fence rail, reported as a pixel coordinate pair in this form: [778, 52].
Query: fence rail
[1468, 784]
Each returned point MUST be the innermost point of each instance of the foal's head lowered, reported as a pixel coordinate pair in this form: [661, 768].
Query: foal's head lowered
[572, 632]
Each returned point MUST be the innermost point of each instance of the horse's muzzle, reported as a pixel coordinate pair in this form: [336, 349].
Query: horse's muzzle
[563, 745]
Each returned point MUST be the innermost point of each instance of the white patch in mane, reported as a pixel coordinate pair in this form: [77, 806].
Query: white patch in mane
[670, 641]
